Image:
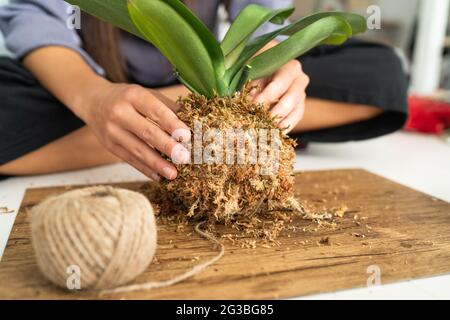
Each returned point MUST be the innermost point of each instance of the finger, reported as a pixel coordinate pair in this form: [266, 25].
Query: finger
[280, 83]
[259, 86]
[146, 155]
[293, 118]
[173, 105]
[290, 100]
[129, 158]
[155, 137]
[150, 107]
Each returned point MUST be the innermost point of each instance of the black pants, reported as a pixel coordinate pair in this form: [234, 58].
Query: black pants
[357, 72]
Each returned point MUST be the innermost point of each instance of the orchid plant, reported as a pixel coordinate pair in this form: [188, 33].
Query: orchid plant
[208, 67]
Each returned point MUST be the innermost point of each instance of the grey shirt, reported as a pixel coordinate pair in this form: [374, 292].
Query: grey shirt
[31, 24]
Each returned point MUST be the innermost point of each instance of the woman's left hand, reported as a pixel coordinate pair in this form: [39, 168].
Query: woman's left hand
[284, 92]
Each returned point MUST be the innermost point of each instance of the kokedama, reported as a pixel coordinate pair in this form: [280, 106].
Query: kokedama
[217, 74]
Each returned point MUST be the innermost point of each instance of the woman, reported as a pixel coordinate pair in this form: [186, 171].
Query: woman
[73, 100]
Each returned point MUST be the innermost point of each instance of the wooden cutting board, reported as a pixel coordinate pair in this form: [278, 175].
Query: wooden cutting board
[389, 232]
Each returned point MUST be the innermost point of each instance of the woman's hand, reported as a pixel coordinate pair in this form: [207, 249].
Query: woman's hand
[284, 93]
[131, 122]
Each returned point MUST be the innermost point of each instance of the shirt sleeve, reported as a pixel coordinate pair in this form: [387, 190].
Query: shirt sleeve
[31, 24]
[236, 7]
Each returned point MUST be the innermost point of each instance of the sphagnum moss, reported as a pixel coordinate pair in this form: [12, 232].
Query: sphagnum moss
[237, 195]
[223, 192]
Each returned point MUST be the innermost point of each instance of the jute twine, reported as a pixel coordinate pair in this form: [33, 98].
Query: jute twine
[109, 234]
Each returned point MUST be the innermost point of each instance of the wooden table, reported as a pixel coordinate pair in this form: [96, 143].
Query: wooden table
[399, 234]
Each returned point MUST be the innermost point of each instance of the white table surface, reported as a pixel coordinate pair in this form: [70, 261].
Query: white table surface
[418, 161]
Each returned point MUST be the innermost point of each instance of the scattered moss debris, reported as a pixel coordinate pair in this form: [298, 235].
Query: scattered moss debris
[239, 204]
[261, 230]
[325, 241]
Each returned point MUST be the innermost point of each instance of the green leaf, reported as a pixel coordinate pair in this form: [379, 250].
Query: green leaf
[113, 11]
[163, 26]
[248, 52]
[208, 39]
[357, 23]
[198, 58]
[239, 80]
[247, 22]
[326, 29]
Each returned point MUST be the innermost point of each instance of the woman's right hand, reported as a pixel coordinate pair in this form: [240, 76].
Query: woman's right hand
[132, 121]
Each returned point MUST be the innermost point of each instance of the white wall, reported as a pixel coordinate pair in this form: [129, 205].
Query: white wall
[428, 56]
[405, 13]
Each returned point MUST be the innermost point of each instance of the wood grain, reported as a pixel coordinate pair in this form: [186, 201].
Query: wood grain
[407, 235]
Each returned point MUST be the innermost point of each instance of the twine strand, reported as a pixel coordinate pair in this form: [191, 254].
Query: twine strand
[166, 283]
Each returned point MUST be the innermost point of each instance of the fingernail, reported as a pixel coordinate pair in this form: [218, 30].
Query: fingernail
[170, 173]
[180, 155]
[284, 126]
[277, 118]
[155, 177]
[182, 135]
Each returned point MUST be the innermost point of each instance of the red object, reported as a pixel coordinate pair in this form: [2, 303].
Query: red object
[427, 115]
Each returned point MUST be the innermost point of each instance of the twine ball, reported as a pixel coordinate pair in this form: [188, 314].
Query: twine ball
[108, 234]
